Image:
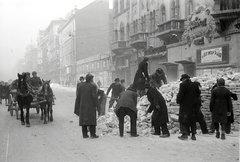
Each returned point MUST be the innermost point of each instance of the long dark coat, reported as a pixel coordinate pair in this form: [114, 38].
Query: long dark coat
[76, 106]
[88, 104]
[188, 98]
[1, 90]
[141, 75]
[220, 104]
[128, 99]
[159, 117]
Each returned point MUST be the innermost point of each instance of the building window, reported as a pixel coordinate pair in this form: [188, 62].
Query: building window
[104, 64]
[98, 65]
[122, 33]
[134, 26]
[116, 35]
[153, 21]
[175, 9]
[128, 4]
[163, 14]
[144, 23]
[128, 32]
[189, 7]
[116, 7]
[121, 5]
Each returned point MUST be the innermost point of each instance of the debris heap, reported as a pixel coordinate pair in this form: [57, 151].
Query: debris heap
[109, 122]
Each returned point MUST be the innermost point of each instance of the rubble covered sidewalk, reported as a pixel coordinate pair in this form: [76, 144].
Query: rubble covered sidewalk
[109, 122]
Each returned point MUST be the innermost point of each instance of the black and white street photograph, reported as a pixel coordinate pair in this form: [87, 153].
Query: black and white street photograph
[119, 80]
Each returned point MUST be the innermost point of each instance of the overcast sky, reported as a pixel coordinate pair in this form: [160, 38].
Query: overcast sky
[20, 21]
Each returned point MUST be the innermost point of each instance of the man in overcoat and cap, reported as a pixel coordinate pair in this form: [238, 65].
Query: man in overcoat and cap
[126, 105]
[160, 112]
[221, 107]
[188, 98]
[88, 105]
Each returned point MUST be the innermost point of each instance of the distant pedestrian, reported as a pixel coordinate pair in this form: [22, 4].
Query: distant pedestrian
[221, 107]
[126, 105]
[76, 107]
[188, 98]
[160, 112]
[99, 84]
[102, 99]
[141, 76]
[116, 90]
[88, 104]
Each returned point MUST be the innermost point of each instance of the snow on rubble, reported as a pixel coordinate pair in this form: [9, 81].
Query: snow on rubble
[109, 122]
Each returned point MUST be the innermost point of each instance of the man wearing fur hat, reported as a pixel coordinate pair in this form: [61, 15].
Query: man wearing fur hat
[188, 98]
[88, 105]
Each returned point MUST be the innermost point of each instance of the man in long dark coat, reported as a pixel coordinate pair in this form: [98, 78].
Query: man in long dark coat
[127, 106]
[141, 76]
[188, 98]
[88, 105]
[221, 107]
[76, 107]
[1, 91]
[160, 112]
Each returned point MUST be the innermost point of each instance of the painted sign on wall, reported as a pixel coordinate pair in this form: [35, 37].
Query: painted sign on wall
[213, 55]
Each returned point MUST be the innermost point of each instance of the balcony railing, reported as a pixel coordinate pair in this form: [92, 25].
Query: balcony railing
[140, 36]
[175, 24]
[119, 44]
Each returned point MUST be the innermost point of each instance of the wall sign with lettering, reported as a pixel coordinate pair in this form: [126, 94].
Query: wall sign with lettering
[213, 55]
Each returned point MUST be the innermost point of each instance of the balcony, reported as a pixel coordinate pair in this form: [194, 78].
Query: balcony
[226, 14]
[139, 40]
[171, 31]
[119, 47]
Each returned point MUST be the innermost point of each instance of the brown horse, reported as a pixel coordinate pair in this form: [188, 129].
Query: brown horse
[23, 98]
[49, 97]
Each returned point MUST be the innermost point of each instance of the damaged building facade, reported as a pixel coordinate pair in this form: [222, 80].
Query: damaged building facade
[187, 36]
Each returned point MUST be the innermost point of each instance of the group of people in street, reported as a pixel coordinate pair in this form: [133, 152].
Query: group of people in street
[188, 98]
[4, 92]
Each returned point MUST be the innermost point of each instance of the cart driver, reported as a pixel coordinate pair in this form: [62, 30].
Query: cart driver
[35, 81]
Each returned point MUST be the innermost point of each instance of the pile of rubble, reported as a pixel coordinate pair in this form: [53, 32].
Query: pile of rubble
[109, 122]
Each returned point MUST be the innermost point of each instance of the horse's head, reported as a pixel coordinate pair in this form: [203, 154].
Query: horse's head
[46, 87]
[22, 84]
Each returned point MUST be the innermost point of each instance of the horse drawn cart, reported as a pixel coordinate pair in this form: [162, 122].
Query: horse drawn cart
[13, 105]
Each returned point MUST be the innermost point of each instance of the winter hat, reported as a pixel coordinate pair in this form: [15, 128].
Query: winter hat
[184, 76]
[89, 77]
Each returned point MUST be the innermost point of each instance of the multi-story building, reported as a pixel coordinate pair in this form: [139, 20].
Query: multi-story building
[30, 58]
[187, 36]
[85, 34]
[48, 59]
